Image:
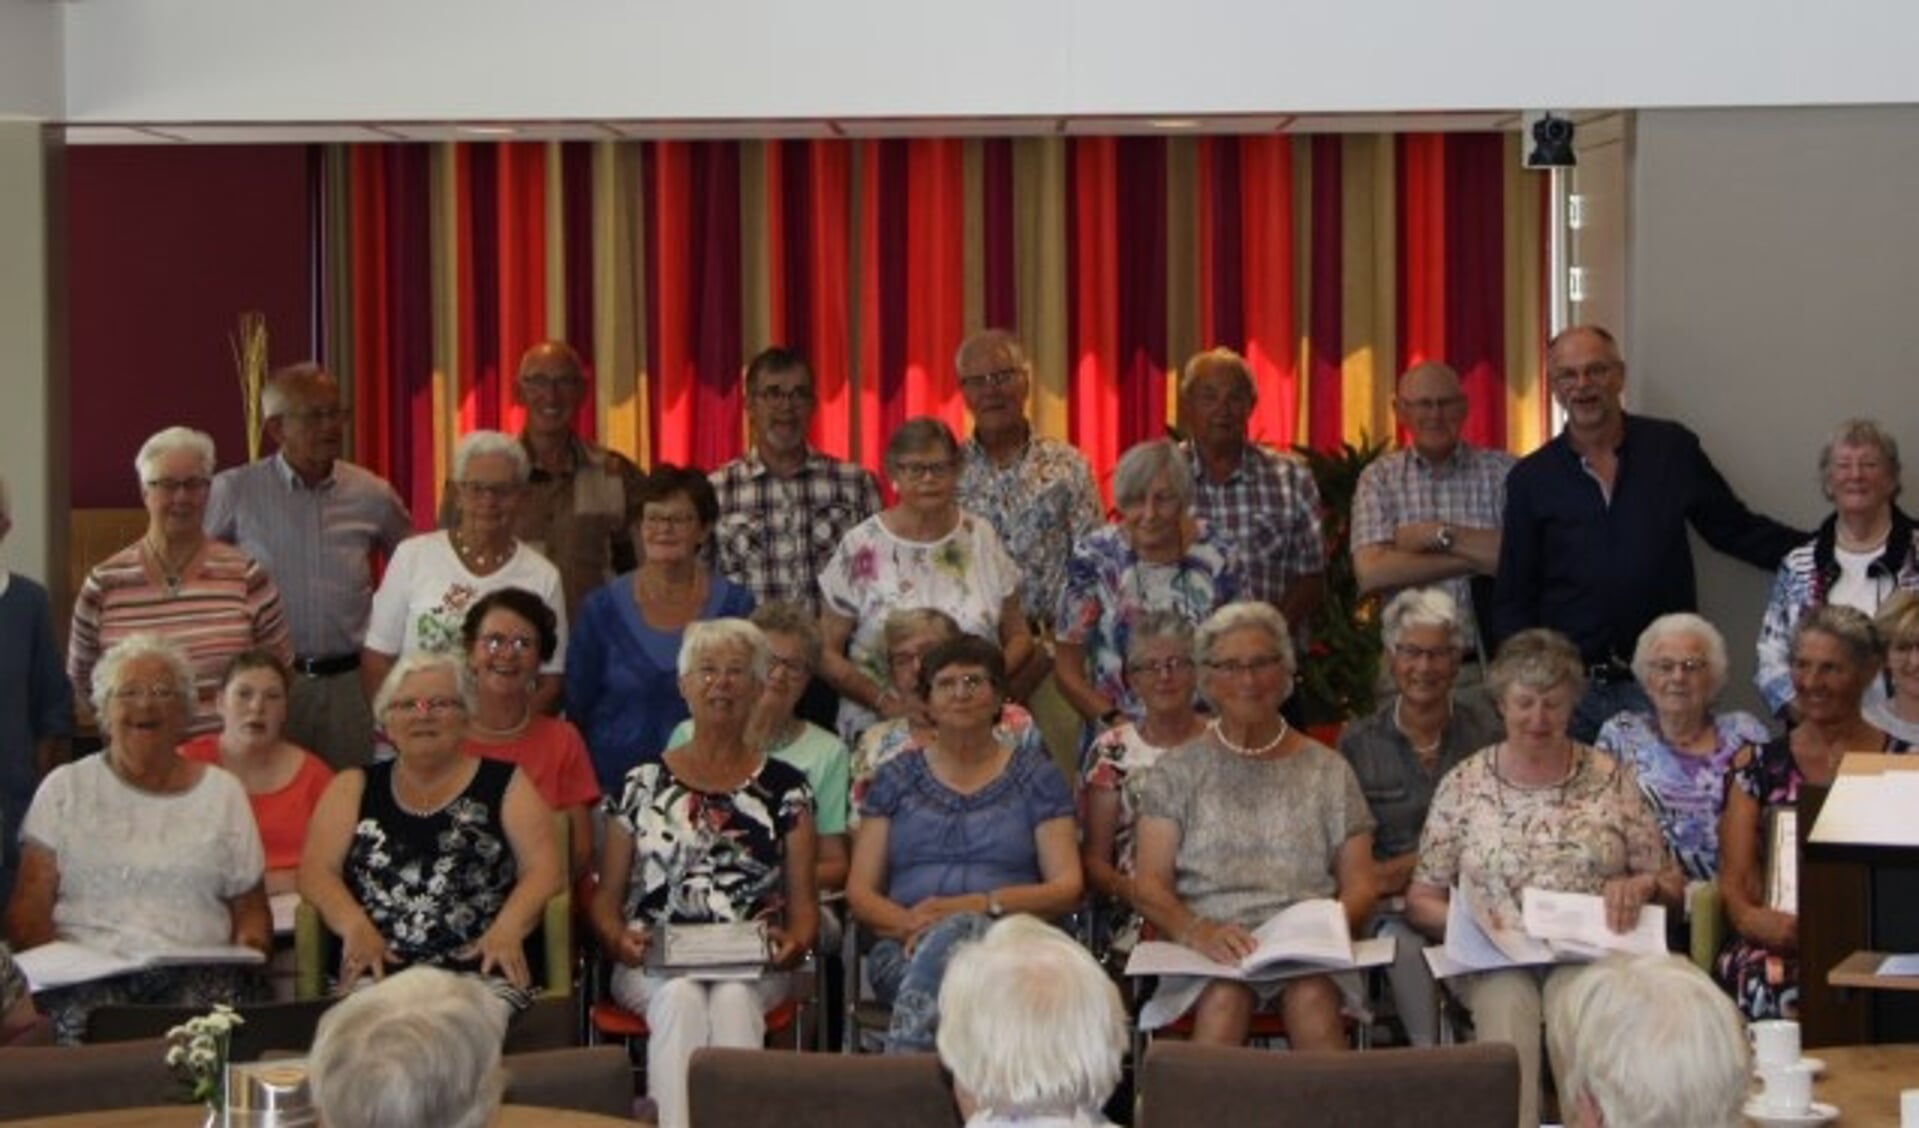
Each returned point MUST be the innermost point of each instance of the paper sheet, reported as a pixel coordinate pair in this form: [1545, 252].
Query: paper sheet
[1903, 964]
[63, 963]
[1575, 923]
[1870, 809]
[283, 907]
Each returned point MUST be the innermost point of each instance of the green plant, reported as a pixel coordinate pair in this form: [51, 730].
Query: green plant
[1340, 669]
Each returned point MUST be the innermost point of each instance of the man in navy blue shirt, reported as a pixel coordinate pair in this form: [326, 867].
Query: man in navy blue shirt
[1595, 540]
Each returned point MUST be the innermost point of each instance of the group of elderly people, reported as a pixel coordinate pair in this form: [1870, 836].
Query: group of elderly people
[1198, 812]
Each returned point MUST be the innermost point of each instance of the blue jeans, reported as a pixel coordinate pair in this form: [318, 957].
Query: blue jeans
[912, 983]
[1602, 703]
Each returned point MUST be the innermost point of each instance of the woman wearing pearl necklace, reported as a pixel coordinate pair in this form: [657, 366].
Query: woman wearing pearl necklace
[1248, 821]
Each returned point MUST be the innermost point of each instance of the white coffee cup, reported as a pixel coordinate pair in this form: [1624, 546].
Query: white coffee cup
[1788, 1089]
[1775, 1041]
[1909, 1109]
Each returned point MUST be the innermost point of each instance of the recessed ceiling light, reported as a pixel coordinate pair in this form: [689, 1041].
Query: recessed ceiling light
[1174, 123]
[488, 130]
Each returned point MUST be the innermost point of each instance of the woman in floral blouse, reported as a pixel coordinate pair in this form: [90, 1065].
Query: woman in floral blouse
[923, 551]
[1537, 809]
[714, 832]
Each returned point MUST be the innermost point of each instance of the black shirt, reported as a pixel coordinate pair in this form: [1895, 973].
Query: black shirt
[1601, 572]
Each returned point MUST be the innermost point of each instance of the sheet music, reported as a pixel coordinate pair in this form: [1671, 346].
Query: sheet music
[740, 948]
[1870, 809]
[1470, 947]
[1575, 924]
[63, 963]
[1782, 860]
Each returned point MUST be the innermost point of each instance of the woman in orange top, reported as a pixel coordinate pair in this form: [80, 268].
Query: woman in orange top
[283, 781]
[508, 634]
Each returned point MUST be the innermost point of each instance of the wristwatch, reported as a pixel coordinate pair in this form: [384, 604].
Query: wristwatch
[993, 908]
[1443, 539]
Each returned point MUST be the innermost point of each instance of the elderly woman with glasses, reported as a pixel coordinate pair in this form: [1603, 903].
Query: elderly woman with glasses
[1867, 550]
[1537, 809]
[139, 851]
[207, 597]
[622, 685]
[1836, 654]
[1400, 753]
[433, 857]
[923, 551]
[1245, 823]
[434, 578]
[715, 832]
[953, 836]
[1898, 714]
[1157, 557]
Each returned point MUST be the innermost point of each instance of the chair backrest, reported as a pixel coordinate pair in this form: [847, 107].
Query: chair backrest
[1182, 1083]
[773, 1089]
[590, 1079]
[57, 1080]
[266, 1026]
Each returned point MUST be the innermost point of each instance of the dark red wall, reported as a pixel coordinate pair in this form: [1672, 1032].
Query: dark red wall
[167, 246]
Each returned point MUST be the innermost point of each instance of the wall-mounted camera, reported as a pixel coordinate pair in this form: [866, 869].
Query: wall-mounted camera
[1547, 140]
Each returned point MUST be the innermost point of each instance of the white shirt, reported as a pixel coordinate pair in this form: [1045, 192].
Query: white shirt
[424, 597]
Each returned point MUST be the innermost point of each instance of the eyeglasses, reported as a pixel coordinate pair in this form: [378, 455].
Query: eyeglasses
[518, 644]
[317, 416]
[922, 471]
[669, 520]
[542, 382]
[1162, 667]
[158, 693]
[797, 396]
[793, 667]
[498, 491]
[1433, 403]
[1595, 372]
[952, 684]
[1666, 667]
[426, 706]
[1256, 666]
[1407, 652]
[179, 485]
[980, 381]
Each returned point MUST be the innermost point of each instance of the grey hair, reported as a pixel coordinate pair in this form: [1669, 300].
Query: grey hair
[172, 440]
[1029, 1023]
[1538, 659]
[1159, 626]
[1199, 364]
[1860, 433]
[909, 621]
[1243, 614]
[423, 1047]
[424, 662]
[1649, 1040]
[1851, 627]
[709, 635]
[1681, 623]
[295, 381]
[1136, 469]
[922, 432]
[781, 617]
[1421, 607]
[144, 644]
[991, 342]
[478, 443]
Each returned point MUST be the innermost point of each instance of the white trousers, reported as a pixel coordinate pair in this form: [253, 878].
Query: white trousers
[1509, 1006]
[682, 1015]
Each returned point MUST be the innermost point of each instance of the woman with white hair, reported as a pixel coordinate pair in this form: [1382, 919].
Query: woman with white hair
[1032, 1030]
[713, 832]
[1249, 821]
[434, 578]
[139, 850]
[1157, 557]
[1681, 749]
[207, 597]
[434, 857]
[421, 1048]
[1860, 555]
[1400, 753]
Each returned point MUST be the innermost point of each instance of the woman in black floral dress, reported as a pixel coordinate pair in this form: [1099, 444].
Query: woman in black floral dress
[433, 857]
[715, 832]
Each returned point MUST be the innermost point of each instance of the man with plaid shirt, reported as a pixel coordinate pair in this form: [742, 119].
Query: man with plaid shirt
[1265, 501]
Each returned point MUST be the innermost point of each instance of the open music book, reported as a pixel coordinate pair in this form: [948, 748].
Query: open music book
[63, 963]
[1555, 928]
[1303, 939]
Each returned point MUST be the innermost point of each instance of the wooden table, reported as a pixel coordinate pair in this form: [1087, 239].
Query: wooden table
[1864, 1082]
[188, 1116]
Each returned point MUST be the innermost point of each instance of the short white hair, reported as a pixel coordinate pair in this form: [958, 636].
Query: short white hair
[1029, 1023]
[1134, 473]
[172, 440]
[478, 443]
[106, 672]
[1681, 623]
[1421, 607]
[1650, 1042]
[709, 635]
[1238, 616]
[424, 662]
[423, 1047]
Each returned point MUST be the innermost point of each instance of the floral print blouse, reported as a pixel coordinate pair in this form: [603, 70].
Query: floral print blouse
[1686, 792]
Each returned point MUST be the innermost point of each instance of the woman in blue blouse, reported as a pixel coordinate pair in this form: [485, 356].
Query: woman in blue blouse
[954, 835]
[622, 688]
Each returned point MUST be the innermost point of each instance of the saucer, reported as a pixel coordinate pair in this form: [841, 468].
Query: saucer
[1815, 1114]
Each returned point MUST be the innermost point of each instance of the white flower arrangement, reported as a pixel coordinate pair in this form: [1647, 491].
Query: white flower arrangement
[197, 1051]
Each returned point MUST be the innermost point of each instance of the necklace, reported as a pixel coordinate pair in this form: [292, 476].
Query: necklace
[425, 810]
[170, 577]
[1572, 769]
[510, 731]
[1219, 734]
[1423, 751]
[477, 560]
